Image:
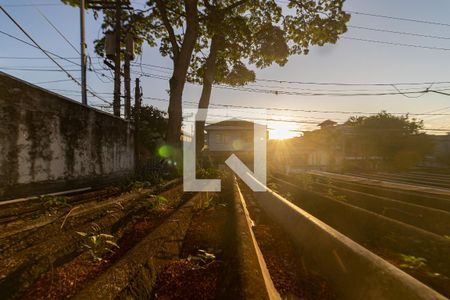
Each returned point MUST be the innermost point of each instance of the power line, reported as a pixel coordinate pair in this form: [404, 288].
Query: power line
[284, 92]
[34, 46]
[306, 110]
[399, 32]
[56, 56]
[57, 30]
[52, 81]
[398, 18]
[47, 53]
[395, 43]
[281, 81]
[31, 58]
[31, 5]
[39, 69]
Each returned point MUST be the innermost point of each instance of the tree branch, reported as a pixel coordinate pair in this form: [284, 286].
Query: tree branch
[173, 39]
[233, 6]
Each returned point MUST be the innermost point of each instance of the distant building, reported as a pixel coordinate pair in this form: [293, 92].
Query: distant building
[230, 136]
[332, 147]
[327, 123]
[440, 157]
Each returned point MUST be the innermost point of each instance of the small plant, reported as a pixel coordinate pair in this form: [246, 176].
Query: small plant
[155, 202]
[288, 195]
[203, 201]
[306, 181]
[205, 173]
[139, 185]
[412, 262]
[51, 204]
[273, 186]
[53, 201]
[97, 244]
[332, 194]
[202, 259]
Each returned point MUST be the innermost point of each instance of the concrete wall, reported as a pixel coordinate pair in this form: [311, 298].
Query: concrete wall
[50, 143]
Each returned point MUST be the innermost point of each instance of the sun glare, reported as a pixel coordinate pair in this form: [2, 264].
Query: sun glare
[282, 131]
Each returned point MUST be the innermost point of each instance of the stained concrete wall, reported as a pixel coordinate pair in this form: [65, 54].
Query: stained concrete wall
[50, 143]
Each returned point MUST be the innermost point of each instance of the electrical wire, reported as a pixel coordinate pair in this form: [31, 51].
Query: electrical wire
[31, 58]
[32, 5]
[397, 18]
[48, 55]
[57, 30]
[38, 70]
[34, 46]
[281, 81]
[395, 43]
[37, 45]
[399, 32]
[307, 110]
[283, 92]
[53, 81]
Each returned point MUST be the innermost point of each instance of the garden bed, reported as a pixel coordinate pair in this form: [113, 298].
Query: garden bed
[87, 249]
[288, 272]
[206, 268]
[417, 252]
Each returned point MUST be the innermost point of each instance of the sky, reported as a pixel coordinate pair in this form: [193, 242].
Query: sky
[347, 61]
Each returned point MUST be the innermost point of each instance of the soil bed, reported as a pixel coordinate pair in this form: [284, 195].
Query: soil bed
[414, 265]
[291, 279]
[65, 280]
[205, 267]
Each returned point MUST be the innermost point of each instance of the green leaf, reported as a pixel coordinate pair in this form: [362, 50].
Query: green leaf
[112, 243]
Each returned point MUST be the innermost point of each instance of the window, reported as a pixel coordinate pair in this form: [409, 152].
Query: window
[218, 138]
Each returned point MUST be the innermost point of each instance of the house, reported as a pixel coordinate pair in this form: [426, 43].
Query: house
[228, 137]
[440, 156]
[327, 124]
[333, 147]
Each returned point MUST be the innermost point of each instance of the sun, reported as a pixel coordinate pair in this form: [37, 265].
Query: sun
[283, 130]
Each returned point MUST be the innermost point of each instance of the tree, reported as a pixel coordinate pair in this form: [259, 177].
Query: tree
[151, 124]
[397, 140]
[236, 33]
[133, 21]
[260, 33]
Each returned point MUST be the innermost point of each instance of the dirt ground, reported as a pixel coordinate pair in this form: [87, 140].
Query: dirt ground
[203, 271]
[65, 280]
[291, 279]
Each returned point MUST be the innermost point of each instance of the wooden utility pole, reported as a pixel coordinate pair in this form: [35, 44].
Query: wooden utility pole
[83, 55]
[117, 29]
[137, 120]
[116, 5]
[129, 55]
[127, 79]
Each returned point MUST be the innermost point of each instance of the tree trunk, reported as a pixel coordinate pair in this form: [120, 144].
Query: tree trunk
[208, 80]
[181, 64]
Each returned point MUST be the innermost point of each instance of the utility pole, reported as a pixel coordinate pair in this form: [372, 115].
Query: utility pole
[83, 55]
[129, 55]
[137, 121]
[127, 79]
[116, 5]
[117, 29]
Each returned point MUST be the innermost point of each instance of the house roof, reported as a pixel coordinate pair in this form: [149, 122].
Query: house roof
[327, 123]
[231, 124]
